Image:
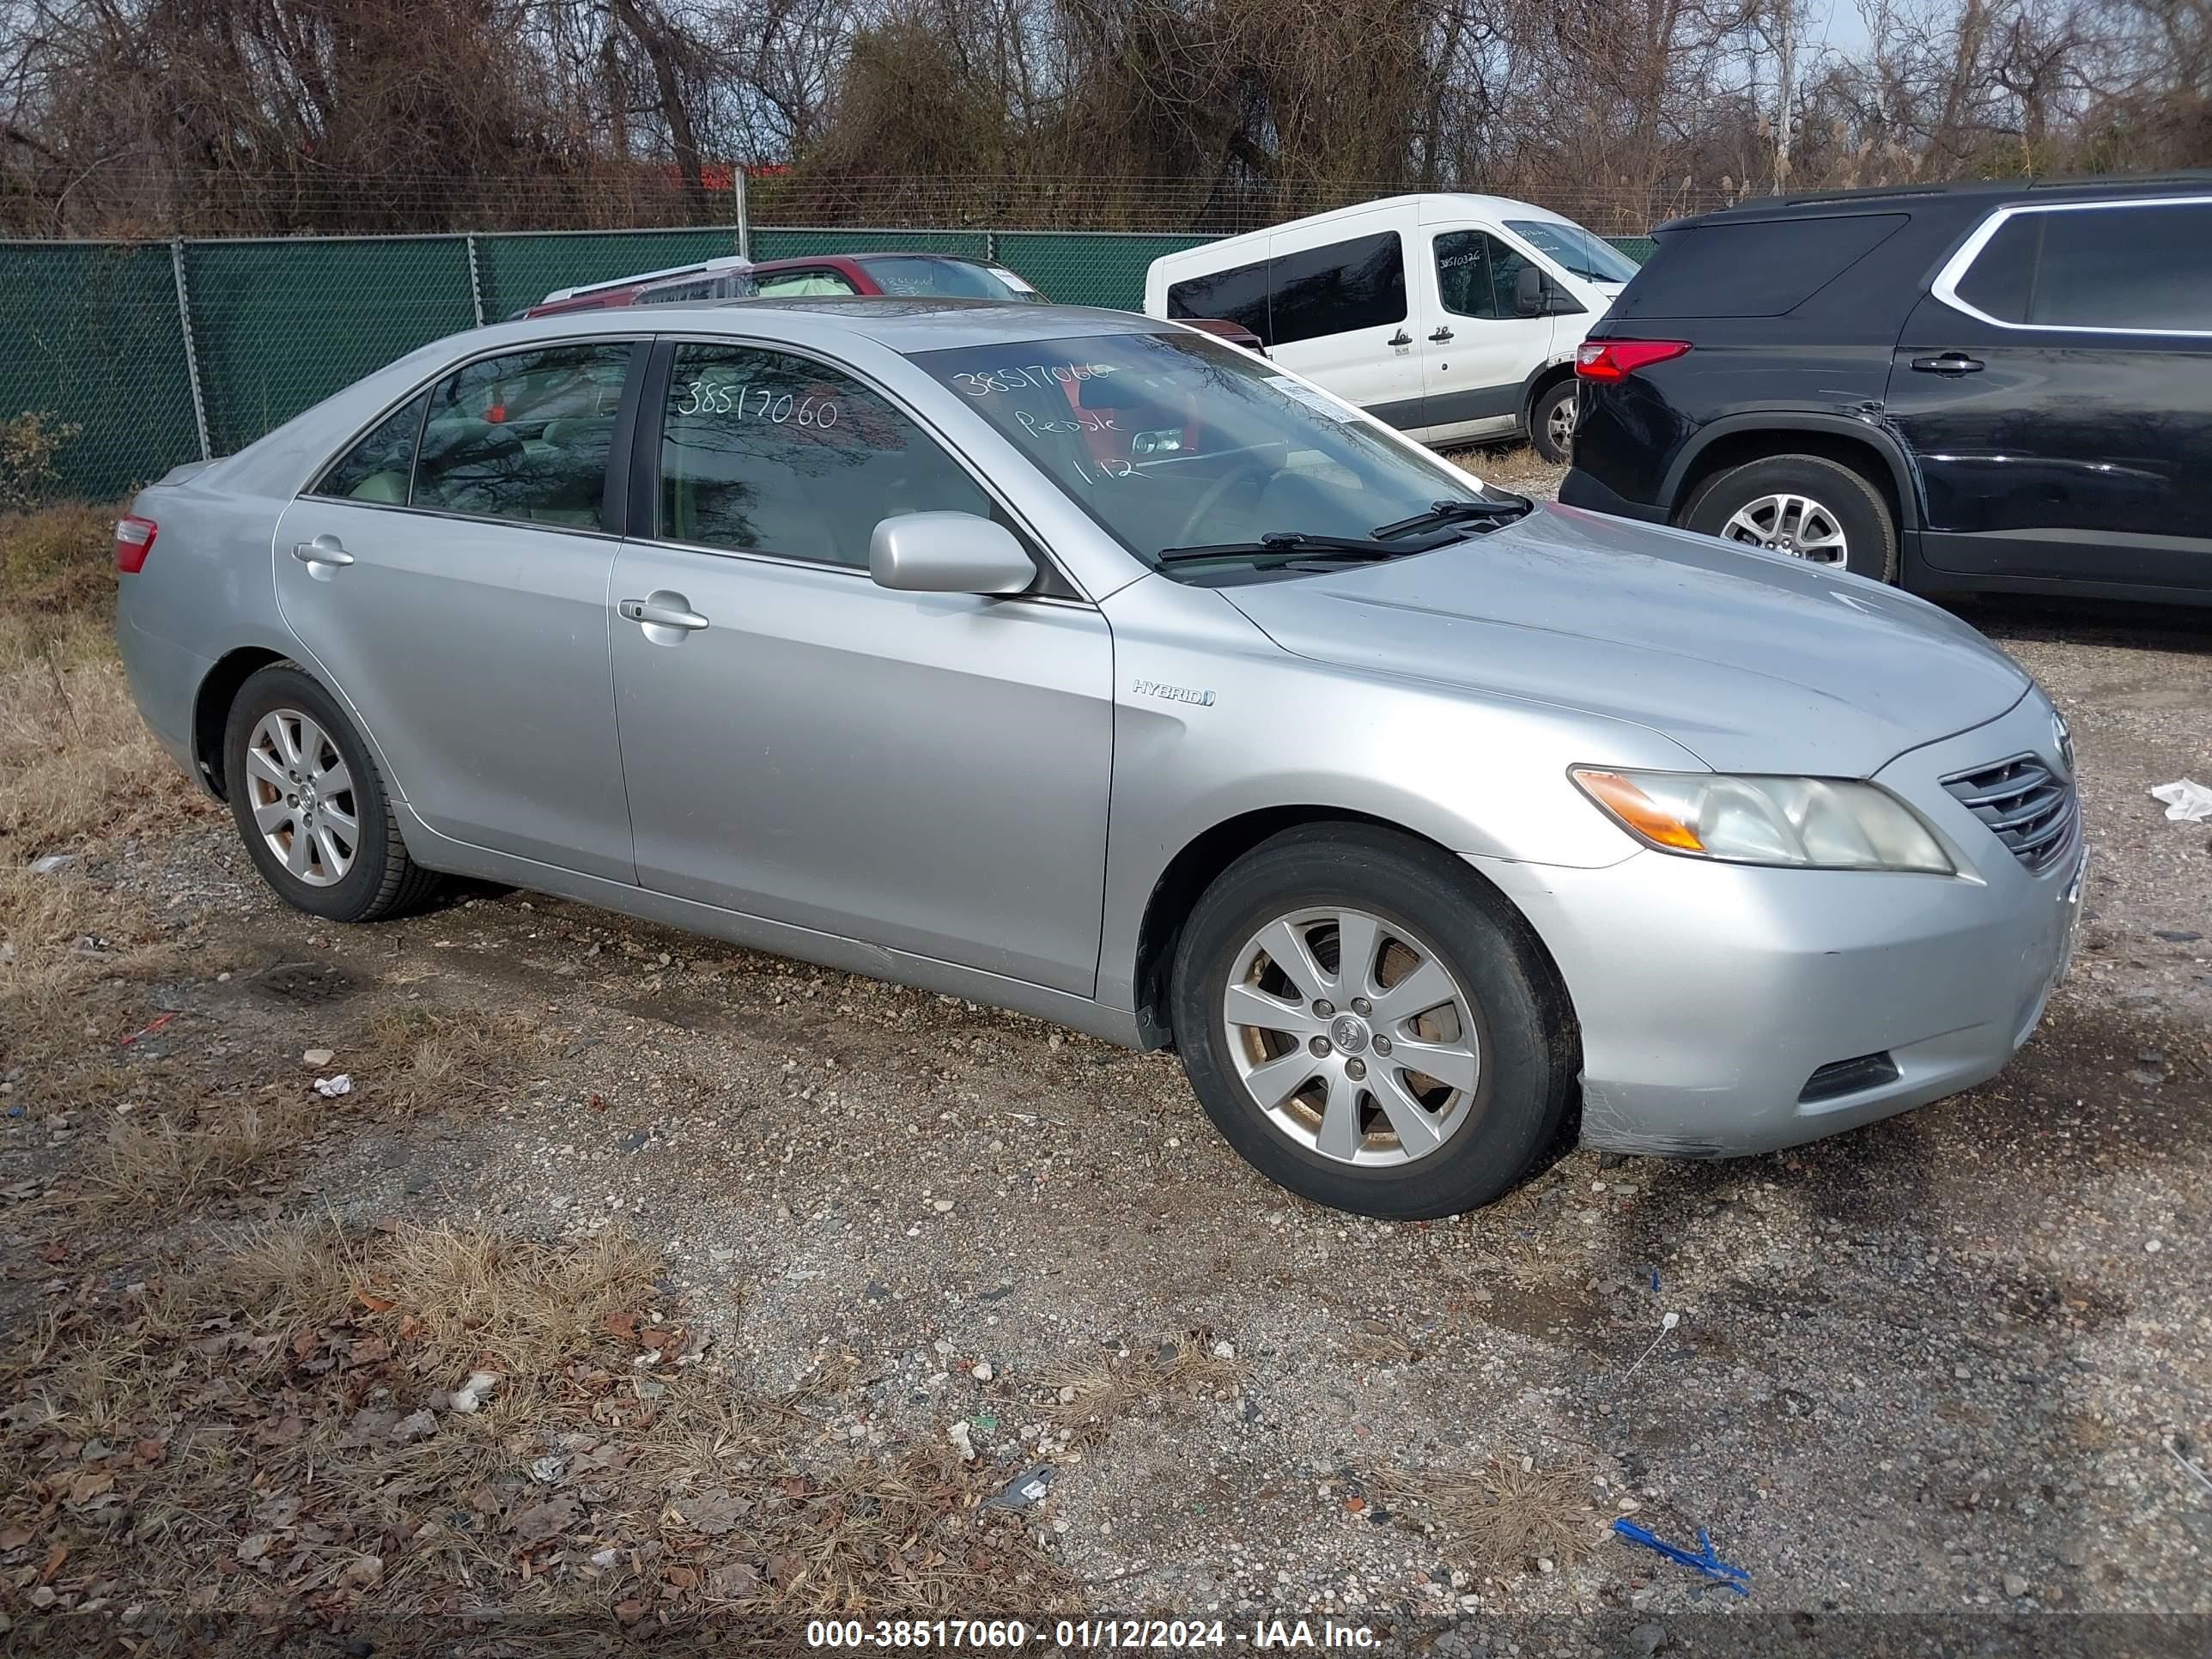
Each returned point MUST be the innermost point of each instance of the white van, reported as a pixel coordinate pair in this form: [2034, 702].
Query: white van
[1453, 318]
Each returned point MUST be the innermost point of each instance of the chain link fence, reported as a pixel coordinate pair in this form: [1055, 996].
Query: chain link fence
[131, 359]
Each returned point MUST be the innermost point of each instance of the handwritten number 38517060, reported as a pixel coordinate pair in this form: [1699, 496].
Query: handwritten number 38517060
[757, 404]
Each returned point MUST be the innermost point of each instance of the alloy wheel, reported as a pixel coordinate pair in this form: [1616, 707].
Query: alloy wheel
[301, 793]
[1791, 523]
[1351, 1036]
[1559, 426]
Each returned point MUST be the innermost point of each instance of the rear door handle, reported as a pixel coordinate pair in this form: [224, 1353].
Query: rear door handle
[324, 550]
[1441, 336]
[663, 611]
[1950, 362]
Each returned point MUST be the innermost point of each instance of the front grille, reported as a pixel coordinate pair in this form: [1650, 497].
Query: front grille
[2030, 808]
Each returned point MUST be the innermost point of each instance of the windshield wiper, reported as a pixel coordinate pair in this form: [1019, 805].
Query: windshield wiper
[1447, 513]
[1291, 544]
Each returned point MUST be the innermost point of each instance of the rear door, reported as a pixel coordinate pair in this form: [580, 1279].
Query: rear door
[2054, 389]
[453, 591]
[1481, 352]
[1341, 312]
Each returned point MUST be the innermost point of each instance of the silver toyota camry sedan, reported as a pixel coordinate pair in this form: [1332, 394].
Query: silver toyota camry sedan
[1080, 664]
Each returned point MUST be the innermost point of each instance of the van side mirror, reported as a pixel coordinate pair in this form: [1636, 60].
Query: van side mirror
[947, 553]
[1531, 292]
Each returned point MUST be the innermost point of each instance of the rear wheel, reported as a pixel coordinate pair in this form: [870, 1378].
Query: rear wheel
[310, 805]
[1806, 506]
[1370, 1026]
[1552, 422]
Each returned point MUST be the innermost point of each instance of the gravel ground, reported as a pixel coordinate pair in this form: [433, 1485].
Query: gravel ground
[1931, 1367]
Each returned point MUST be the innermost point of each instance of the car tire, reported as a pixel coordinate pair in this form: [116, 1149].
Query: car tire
[310, 805]
[1552, 422]
[1831, 500]
[1352, 1136]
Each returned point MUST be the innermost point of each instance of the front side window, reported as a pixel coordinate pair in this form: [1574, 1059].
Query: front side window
[1477, 275]
[1337, 289]
[378, 467]
[1588, 257]
[1177, 441]
[766, 451]
[2147, 266]
[524, 436]
[788, 283]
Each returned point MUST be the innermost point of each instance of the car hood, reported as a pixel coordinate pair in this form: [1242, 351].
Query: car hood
[1753, 661]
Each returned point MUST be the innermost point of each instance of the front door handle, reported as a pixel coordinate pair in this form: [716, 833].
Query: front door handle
[663, 610]
[1441, 336]
[1950, 362]
[323, 551]
[1400, 338]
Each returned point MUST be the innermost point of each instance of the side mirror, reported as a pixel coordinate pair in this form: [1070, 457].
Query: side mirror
[947, 553]
[1531, 292]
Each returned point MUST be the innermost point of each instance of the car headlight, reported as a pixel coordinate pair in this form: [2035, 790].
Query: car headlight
[1813, 823]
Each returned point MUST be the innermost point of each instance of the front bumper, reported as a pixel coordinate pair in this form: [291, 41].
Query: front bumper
[1709, 994]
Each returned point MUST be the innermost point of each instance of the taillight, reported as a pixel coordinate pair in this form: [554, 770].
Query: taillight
[133, 540]
[1616, 360]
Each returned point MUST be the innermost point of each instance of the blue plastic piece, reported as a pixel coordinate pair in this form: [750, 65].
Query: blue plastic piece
[1704, 1562]
[1654, 1281]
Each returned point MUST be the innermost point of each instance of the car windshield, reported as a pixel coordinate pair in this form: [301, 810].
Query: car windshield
[1176, 442]
[1587, 256]
[955, 279]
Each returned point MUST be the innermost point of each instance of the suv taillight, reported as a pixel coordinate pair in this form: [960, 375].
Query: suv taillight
[1616, 360]
[133, 540]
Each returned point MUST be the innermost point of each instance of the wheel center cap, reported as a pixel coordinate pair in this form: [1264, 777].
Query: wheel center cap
[1349, 1033]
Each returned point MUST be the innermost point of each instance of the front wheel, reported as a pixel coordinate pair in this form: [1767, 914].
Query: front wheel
[1552, 422]
[310, 803]
[1371, 1027]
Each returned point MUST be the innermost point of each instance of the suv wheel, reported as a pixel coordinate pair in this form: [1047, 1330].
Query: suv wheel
[1370, 1027]
[309, 803]
[1806, 506]
[1552, 422]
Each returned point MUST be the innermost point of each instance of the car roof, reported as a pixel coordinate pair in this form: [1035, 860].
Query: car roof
[906, 325]
[1958, 195]
[871, 253]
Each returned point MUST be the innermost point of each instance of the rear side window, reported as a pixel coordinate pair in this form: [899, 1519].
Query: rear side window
[1759, 269]
[377, 468]
[524, 436]
[1338, 288]
[822, 280]
[2147, 266]
[1238, 295]
[769, 451]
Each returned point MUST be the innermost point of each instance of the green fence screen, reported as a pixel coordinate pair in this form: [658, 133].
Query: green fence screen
[106, 338]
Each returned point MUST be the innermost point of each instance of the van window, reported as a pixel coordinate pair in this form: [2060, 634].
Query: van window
[1337, 288]
[1238, 295]
[1477, 275]
[1758, 268]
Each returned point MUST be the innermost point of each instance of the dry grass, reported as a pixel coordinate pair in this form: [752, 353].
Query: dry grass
[240, 1441]
[1514, 468]
[1089, 1399]
[1505, 1516]
[428, 1058]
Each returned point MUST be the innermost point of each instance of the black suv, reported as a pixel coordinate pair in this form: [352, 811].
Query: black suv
[1990, 386]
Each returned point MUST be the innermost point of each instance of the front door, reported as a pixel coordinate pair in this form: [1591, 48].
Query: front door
[2055, 390]
[453, 591]
[924, 772]
[1481, 350]
[1341, 314]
